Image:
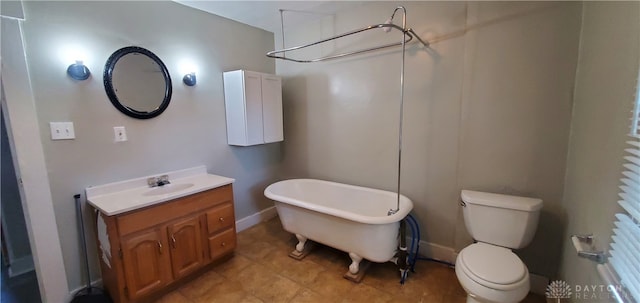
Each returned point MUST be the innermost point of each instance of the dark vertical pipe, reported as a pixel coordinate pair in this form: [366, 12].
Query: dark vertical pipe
[83, 240]
[402, 253]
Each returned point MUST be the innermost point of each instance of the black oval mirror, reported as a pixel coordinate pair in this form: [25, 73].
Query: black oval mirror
[137, 82]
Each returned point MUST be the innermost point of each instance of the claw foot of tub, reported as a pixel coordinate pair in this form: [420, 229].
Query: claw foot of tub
[357, 269]
[355, 264]
[303, 248]
[301, 241]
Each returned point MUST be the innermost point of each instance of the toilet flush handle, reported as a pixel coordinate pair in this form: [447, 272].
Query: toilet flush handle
[463, 204]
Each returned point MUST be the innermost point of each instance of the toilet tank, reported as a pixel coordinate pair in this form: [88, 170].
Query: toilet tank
[503, 220]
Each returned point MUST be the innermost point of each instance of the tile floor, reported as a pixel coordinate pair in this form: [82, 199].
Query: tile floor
[261, 271]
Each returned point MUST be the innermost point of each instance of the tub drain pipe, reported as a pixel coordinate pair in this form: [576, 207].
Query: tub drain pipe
[403, 265]
[414, 249]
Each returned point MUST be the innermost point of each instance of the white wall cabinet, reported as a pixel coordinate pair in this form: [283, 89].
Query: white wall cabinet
[253, 105]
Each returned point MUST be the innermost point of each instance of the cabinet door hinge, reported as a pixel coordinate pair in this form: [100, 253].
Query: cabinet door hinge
[120, 253]
[126, 292]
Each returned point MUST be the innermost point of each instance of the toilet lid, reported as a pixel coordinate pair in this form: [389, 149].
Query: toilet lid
[493, 264]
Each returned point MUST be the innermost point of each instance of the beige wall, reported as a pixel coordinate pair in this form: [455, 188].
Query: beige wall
[517, 94]
[190, 132]
[487, 110]
[605, 82]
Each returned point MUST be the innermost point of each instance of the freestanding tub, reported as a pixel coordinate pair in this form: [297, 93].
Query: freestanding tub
[350, 218]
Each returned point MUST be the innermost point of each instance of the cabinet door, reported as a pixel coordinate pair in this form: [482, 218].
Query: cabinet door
[146, 263]
[272, 108]
[185, 237]
[253, 102]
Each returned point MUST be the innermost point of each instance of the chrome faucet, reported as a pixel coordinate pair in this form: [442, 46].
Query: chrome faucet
[158, 181]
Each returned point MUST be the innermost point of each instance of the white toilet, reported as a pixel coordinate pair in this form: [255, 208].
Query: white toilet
[488, 270]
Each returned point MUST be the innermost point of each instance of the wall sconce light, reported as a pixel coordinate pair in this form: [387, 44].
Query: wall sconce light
[78, 71]
[189, 79]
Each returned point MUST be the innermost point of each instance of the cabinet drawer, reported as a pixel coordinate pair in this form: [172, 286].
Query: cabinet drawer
[220, 218]
[160, 213]
[222, 243]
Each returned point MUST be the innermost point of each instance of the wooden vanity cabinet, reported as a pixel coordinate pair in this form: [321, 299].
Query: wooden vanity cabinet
[160, 245]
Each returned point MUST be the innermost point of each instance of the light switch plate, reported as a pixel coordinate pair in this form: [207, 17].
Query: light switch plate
[120, 134]
[62, 131]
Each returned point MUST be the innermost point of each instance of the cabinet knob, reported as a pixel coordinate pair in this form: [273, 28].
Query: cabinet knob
[223, 244]
[221, 219]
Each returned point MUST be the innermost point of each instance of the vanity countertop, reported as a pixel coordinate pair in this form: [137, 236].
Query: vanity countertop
[119, 197]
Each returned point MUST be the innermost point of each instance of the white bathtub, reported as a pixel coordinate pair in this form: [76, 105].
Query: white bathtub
[350, 218]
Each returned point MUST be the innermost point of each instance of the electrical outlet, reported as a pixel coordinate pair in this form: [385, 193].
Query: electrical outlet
[120, 133]
[62, 131]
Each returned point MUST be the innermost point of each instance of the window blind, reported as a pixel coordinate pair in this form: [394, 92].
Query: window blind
[635, 131]
[635, 128]
[625, 243]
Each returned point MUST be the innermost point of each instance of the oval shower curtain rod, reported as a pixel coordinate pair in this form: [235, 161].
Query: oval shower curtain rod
[408, 35]
[408, 32]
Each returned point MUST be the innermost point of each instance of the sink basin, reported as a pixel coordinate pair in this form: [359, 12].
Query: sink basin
[167, 189]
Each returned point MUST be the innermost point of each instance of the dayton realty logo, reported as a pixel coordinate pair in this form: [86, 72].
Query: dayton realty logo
[558, 290]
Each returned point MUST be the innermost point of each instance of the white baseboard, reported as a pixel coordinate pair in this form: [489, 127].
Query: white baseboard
[21, 266]
[256, 218]
[436, 251]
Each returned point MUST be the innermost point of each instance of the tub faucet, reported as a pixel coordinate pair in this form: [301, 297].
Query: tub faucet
[158, 181]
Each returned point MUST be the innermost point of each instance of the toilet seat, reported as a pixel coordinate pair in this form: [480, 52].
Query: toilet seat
[493, 266]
